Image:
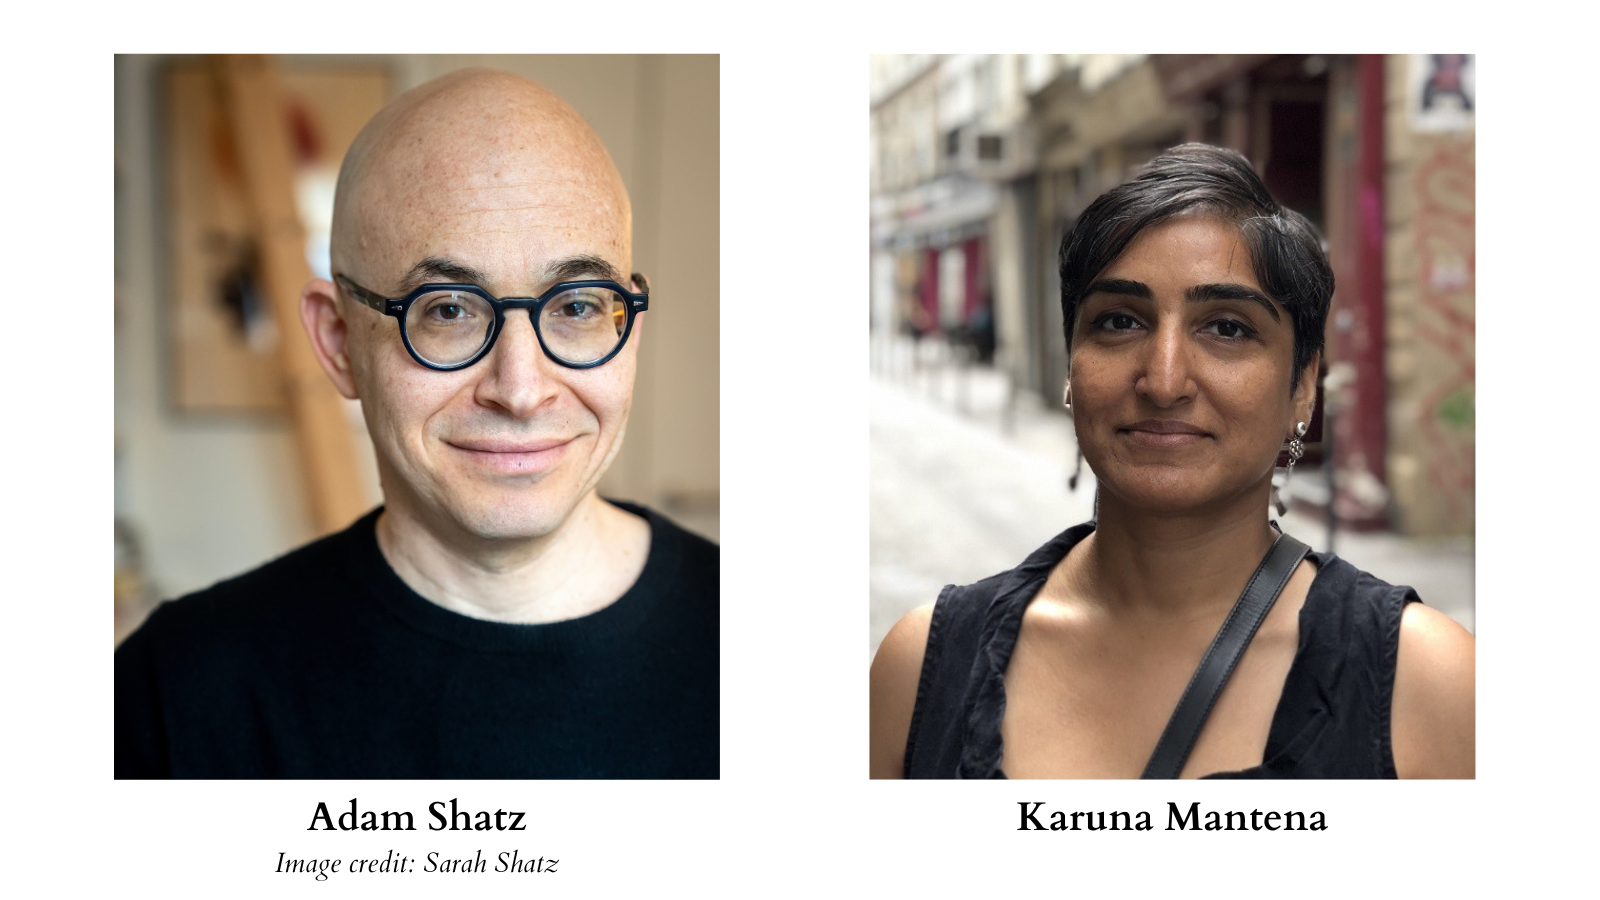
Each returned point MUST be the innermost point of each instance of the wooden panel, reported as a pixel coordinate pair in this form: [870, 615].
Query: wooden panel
[266, 153]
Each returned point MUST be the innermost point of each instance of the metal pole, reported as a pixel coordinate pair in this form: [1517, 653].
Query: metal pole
[1328, 432]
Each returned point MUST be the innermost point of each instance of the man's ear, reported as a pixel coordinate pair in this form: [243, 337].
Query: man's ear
[323, 319]
[638, 328]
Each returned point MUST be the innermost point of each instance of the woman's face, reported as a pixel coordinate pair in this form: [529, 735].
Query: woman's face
[1181, 369]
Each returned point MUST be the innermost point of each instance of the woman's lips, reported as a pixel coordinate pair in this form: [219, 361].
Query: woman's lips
[1166, 441]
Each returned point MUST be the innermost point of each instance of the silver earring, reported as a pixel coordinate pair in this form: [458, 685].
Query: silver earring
[1297, 449]
[1297, 444]
[1077, 468]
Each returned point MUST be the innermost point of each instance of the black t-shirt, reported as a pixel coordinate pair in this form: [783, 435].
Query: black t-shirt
[324, 664]
[1332, 719]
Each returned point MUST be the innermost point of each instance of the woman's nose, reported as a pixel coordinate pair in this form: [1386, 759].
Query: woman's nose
[1167, 377]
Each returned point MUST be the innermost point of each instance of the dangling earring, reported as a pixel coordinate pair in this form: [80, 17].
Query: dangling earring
[1297, 449]
[1077, 468]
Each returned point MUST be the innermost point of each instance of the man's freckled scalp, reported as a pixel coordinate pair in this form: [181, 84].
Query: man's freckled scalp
[474, 142]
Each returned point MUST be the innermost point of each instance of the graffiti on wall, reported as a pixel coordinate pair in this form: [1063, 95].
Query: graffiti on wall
[1443, 189]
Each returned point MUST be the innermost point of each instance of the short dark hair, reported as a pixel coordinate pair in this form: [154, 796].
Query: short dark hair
[1198, 178]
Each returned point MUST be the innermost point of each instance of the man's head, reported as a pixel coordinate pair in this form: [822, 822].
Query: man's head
[484, 178]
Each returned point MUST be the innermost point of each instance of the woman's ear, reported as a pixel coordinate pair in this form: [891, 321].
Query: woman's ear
[1306, 394]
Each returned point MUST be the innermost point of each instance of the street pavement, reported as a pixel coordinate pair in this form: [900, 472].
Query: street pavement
[961, 490]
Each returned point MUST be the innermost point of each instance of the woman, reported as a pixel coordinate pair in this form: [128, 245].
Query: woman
[1194, 307]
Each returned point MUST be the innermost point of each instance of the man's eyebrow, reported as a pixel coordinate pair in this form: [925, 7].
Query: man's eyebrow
[1200, 293]
[584, 267]
[443, 270]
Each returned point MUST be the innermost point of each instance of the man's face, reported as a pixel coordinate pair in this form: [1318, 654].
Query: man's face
[507, 447]
[1180, 371]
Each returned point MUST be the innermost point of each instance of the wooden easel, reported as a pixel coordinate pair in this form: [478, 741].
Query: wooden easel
[254, 112]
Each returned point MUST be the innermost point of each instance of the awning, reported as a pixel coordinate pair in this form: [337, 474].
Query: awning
[973, 203]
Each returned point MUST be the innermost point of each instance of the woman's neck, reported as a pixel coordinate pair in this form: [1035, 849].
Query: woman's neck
[1167, 570]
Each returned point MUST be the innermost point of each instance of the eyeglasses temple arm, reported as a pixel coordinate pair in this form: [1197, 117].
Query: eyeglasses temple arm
[381, 304]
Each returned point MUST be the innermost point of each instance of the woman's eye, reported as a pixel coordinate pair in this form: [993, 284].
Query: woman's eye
[1231, 329]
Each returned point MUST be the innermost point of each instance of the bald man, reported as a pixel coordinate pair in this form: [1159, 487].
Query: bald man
[495, 618]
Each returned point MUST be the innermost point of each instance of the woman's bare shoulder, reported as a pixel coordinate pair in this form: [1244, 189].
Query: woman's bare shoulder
[896, 670]
[1433, 720]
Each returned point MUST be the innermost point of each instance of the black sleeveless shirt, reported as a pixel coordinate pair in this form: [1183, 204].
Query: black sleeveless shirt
[1331, 722]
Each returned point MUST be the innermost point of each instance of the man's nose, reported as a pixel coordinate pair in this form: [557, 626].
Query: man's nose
[519, 338]
[519, 378]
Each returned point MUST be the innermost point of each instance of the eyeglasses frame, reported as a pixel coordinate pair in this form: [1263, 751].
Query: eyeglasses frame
[400, 307]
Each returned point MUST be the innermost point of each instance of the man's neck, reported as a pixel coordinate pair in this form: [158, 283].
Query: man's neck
[588, 562]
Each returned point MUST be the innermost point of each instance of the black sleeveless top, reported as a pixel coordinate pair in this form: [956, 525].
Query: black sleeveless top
[1331, 722]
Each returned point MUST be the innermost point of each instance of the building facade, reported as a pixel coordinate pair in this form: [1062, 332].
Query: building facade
[982, 163]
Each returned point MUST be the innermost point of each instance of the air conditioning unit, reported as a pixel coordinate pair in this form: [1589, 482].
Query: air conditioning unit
[993, 153]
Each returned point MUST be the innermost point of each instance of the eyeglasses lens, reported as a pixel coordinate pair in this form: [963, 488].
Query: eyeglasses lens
[584, 324]
[448, 327]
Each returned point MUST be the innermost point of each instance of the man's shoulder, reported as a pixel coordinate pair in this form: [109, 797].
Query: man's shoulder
[272, 595]
[701, 557]
[692, 558]
[293, 567]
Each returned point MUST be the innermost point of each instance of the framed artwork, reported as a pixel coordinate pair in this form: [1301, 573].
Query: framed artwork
[222, 336]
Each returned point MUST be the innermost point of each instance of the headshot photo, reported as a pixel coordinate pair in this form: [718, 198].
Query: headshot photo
[417, 417]
[1172, 433]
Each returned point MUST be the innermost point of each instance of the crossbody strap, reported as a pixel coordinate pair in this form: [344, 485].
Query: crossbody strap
[1248, 612]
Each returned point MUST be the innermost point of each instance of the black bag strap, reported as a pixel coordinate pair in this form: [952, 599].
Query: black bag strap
[1248, 612]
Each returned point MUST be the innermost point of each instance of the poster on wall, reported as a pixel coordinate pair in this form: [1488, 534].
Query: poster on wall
[1441, 92]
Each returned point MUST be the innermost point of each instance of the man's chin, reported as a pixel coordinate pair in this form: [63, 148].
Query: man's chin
[508, 522]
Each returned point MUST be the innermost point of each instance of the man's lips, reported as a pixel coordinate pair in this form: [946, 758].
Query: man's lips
[513, 456]
[508, 445]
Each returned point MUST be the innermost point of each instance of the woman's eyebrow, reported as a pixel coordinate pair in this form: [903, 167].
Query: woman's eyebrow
[1200, 293]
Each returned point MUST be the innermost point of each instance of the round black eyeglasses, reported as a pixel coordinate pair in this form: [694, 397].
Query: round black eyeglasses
[580, 324]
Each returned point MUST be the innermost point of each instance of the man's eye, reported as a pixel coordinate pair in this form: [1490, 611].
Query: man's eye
[448, 312]
[578, 309]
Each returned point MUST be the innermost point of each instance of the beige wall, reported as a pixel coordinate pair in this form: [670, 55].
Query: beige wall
[212, 496]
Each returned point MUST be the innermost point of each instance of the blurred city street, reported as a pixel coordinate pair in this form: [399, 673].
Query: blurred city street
[957, 495]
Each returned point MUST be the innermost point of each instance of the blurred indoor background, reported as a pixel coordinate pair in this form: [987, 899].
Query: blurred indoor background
[981, 163]
[210, 441]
